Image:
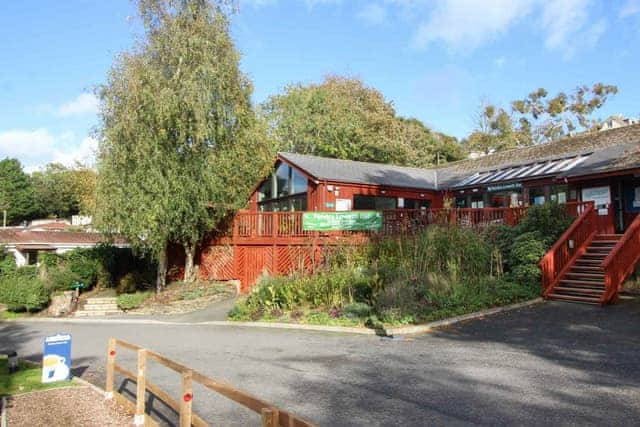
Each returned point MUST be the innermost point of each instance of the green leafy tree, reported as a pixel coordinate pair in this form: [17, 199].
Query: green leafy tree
[563, 114]
[180, 145]
[345, 119]
[496, 131]
[538, 118]
[62, 191]
[425, 147]
[16, 192]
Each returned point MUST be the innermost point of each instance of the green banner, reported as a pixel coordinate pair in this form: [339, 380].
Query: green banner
[352, 221]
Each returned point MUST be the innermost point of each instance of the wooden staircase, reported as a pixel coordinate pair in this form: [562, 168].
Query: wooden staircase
[584, 281]
[588, 265]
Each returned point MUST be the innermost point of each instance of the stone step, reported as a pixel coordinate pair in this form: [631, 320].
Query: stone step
[84, 313]
[104, 300]
[100, 307]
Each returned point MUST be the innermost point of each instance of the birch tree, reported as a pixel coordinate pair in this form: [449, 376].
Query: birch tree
[180, 145]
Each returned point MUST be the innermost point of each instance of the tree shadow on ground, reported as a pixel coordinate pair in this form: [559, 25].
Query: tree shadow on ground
[550, 364]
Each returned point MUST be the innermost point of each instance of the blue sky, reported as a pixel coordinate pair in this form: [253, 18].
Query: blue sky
[436, 60]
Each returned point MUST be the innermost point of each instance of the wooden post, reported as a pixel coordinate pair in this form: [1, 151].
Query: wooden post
[141, 387]
[187, 398]
[111, 361]
[270, 417]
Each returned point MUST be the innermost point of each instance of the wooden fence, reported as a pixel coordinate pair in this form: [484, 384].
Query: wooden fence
[270, 414]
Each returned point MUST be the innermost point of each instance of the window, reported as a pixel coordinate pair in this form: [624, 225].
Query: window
[461, 202]
[477, 202]
[559, 193]
[536, 196]
[417, 204]
[373, 203]
[285, 190]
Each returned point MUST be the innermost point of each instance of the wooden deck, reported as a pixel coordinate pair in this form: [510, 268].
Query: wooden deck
[276, 243]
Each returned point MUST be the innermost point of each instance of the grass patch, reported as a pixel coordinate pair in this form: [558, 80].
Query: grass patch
[26, 379]
[131, 301]
[6, 315]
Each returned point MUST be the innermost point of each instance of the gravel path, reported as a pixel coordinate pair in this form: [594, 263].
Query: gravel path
[64, 407]
[550, 364]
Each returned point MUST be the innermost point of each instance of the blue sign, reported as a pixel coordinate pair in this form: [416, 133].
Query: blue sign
[56, 361]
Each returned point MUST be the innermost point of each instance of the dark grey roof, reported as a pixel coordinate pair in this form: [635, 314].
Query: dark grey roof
[584, 154]
[604, 151]
[350, 171]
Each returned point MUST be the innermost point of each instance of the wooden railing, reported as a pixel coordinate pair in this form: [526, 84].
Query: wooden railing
[248, 225]
[271, 415]
[569, 247]
[621, 261]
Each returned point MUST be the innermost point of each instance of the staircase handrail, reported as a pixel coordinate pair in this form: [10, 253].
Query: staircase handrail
[621, 260]
[584, 223]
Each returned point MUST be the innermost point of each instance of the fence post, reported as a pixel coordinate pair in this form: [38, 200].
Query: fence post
[270, 417]
[187, 397]
[141, 387]
[111, 361]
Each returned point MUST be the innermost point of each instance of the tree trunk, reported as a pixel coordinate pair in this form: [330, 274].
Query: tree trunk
[161, 278]
[190, 254]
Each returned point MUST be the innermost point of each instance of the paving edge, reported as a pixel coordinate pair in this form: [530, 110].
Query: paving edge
[401, 330]
[428, 327]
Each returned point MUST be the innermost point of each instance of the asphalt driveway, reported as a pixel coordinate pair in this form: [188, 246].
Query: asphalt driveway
[553, 363]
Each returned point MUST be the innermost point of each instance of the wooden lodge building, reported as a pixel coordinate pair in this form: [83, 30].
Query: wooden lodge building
[597, 175]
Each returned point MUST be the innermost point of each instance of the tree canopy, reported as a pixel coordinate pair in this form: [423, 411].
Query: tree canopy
[538, 118]
[16, 192]
[63, 191]
[180, 145]
[343, 118]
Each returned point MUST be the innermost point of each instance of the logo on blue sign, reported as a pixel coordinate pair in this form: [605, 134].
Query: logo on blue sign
[56, 362]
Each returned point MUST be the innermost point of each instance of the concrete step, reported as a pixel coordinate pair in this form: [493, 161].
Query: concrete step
[84, 313]
[100, 307]
[102, 300]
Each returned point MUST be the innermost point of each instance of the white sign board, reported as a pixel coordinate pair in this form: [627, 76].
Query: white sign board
[600, 196]
[343, 205]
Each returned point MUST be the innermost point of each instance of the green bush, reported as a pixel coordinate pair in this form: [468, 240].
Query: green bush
[61, 278]
[358, 310]
[22, 290]
[7, 261]
[131, 282]
[526, 252]
[131, 301]
[549, 220]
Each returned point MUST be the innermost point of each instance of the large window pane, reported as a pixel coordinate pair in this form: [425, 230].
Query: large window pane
[290, 191]
[361, 202]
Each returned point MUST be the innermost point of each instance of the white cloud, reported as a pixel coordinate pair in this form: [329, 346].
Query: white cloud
[630, 8]
[463, 25]
[468, 24]
[85, 103]
[567, 26]
[83, 153]
[25, 143]
[36, 148]
[373, 14]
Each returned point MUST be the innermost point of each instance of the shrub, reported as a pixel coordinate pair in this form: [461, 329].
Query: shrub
[131, 301]
[61, 278]
[23, 290]
[527, 250]
[131, 282]
[549, 220]
[7, 261]
[358, 310]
